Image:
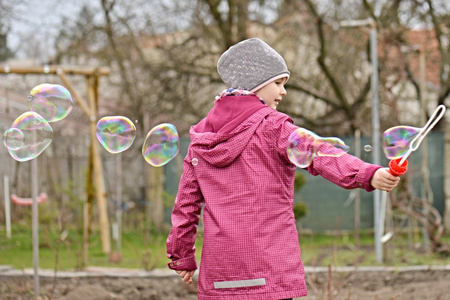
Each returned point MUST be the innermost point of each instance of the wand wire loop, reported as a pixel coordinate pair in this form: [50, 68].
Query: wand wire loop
[432, 121]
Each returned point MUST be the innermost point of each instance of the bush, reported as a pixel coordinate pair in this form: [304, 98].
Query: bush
[300, 209]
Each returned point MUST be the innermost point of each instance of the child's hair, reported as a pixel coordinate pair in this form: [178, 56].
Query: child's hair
[250, 65]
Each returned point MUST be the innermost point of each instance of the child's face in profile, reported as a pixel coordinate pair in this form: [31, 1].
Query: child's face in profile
[273, 92]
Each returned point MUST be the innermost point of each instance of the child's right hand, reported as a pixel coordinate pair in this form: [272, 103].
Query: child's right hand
[383, 180]
[186, 276]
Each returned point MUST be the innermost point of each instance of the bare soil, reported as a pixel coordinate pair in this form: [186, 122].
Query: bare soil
[377, 285]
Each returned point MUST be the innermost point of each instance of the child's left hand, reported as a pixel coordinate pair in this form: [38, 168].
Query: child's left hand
[186, 276]
[383, 180]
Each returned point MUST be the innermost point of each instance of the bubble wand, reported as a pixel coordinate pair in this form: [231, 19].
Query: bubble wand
[399, 166]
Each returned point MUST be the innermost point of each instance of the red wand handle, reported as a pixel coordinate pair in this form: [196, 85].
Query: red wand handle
[396, 169]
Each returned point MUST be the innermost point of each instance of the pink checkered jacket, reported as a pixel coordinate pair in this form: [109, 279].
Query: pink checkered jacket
[237, 168]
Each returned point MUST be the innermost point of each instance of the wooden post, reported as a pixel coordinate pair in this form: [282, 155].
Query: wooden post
[156, 197]
[98, 168]
[74, 93]
[87, 209]
[7, 205]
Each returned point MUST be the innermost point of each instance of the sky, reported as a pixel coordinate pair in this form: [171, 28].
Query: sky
[39, 20]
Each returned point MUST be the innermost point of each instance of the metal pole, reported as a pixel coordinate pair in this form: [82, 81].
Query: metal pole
[357, 209]
[375, 121]
[35, 224]
[427, 192]
[7, 206]
[382, 214]
[375, 136]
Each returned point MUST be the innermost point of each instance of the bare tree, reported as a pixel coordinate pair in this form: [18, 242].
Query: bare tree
[5, 13]
[166, 70]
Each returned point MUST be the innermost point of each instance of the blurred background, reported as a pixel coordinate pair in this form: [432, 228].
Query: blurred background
[155, 62]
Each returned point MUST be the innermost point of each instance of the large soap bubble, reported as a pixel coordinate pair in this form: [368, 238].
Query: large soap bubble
[29, 135]
[304, 145]
[161, 145]
[52, 101]
[397, 140]
[116, 133]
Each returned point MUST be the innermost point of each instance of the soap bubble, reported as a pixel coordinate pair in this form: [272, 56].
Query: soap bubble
[32, 135]
[116, 133]
[52, 101]
[161, 145]
[368, 148]
[397, 140]
[13, 139]
[304, 145]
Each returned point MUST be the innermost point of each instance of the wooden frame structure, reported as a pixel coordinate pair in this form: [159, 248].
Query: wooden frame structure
[96, 184]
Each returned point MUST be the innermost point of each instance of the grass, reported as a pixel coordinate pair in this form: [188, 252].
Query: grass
[67, 254]
[317, 250]
[340, 250]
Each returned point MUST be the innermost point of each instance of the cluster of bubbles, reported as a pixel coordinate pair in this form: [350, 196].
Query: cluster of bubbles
[117, 133]
[30, 134]
[305, 145]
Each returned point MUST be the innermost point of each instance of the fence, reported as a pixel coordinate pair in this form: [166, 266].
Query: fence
[63, 168]
[330, 207]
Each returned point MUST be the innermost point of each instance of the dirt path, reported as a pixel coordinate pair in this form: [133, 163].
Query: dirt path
[418, 284]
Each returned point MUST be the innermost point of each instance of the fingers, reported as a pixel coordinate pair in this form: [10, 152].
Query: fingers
[186, 276]
[191, 274]
[390, 181]
[384, 181]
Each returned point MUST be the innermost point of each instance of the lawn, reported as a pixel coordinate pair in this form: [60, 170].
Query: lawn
[64, 250]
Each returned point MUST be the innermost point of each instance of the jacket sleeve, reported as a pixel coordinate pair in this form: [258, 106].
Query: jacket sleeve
[185, 217]
[346, 170]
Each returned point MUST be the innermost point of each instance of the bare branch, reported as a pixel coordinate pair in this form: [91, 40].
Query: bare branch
[322, 57]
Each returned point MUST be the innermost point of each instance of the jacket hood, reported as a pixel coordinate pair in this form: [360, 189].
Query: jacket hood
[225, 132]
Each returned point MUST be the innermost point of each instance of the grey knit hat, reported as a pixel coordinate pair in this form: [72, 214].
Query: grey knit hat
[250, 65]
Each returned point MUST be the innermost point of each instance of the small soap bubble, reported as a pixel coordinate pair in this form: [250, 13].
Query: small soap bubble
[31, 135]
[368, 148]
[115, 133]
[13, 139]
[161, 145]
[397, 140]
[304, 145]
[52, 101]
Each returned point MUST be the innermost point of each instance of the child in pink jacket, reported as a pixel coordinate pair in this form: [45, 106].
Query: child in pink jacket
[237, 168]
